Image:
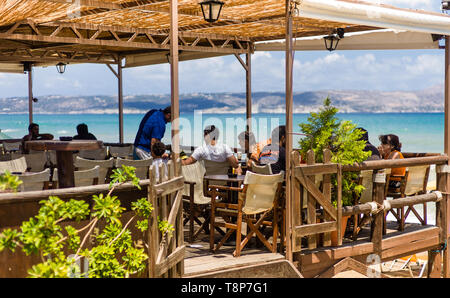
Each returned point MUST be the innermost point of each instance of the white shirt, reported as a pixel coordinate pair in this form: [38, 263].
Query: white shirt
[218, 152]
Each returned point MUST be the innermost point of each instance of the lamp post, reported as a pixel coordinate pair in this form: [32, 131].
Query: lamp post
[61, 67]
[211, 10]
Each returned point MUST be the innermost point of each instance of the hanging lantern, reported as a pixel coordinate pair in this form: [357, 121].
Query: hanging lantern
[332, 40]
[61, 67]
[211, 10]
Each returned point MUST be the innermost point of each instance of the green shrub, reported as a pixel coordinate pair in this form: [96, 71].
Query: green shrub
[114, 253]
[342, 139]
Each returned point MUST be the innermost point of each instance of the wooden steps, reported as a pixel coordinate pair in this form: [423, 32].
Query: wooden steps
[251, 265]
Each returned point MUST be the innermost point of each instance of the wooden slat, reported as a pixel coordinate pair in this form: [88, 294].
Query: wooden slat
[169, 262]
[311, 229]
[316, 169]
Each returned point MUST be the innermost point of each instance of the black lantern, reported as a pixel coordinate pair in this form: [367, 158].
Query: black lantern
[61, 67]
[211, 10]
[445, 5]
[332, 40]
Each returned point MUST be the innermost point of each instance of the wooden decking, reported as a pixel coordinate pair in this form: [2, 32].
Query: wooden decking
[254, 262]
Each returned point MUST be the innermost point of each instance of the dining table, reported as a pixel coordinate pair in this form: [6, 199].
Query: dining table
[64, 155]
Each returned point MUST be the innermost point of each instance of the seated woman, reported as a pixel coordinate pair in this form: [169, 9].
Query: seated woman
[390, 149]
[212, 150]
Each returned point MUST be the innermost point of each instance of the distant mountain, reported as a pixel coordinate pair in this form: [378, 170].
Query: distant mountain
[347, 101]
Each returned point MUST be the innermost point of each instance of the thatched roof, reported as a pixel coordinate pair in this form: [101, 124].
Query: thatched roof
[100, 30]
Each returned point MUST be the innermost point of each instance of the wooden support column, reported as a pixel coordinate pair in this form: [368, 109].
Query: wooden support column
[289, 102]
[174, 79]
[30, 94]
[118, 75]
[120, 95]
[248, 89]
[446, 260]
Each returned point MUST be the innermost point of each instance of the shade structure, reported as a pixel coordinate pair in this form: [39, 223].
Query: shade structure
[377, 15]
[386, 39]
[12, 67]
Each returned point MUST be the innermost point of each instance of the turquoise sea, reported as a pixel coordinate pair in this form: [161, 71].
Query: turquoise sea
[418, 132]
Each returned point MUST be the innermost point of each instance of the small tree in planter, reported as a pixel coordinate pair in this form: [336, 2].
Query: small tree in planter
[342, 139]
[114, 253]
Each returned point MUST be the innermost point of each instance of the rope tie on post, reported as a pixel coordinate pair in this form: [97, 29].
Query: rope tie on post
[376, 207]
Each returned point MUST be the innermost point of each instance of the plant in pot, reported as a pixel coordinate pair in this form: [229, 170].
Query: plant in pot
[343, 139]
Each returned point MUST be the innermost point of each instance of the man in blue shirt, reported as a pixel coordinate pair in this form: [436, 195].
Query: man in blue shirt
[151, 129]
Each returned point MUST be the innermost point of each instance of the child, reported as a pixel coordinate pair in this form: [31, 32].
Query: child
[158, 150]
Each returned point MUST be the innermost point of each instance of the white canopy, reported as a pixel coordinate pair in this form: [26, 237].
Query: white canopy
[377, 15]
[369, 40]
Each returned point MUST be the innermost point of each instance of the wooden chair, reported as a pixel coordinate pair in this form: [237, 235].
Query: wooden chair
[104, 170]
[195, 203]
[11, 146]
[414, 183]
[366, 180]
[121, 151]
[265, 169]
[142, 166]
[258, 197]
[98, 154]
[35, 181]
[82, 178]
[36, 162]
[18, 165]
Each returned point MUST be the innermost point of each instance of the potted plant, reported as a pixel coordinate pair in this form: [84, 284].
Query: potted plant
[343, 139]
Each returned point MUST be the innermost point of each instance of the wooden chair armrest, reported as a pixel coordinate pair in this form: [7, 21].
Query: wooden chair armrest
[222, 187]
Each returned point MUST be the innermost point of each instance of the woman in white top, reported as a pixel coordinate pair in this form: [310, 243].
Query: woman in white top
[212, 150]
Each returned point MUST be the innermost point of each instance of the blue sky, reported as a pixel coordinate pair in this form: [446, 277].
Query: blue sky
[368, 70]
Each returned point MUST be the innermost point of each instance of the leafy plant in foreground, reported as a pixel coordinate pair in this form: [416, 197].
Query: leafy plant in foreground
[114, 253]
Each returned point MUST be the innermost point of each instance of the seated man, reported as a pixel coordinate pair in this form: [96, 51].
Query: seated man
[212, 150]
[369, 147]
[158, 150]
[275, 153]
[83, 133]
[34, 135]
[252, 149]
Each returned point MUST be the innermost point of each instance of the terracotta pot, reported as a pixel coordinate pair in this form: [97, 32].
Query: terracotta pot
[334, 240]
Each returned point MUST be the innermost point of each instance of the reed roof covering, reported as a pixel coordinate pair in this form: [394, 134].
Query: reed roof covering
[100, 30]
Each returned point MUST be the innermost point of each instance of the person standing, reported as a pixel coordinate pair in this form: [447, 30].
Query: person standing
[151, 129]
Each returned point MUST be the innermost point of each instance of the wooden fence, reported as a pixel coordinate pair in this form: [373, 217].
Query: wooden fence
[311, 201]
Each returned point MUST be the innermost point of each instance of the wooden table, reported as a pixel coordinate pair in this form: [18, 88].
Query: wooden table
[64, 155]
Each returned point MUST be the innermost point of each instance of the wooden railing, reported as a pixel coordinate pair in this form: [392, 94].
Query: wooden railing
[319, 198]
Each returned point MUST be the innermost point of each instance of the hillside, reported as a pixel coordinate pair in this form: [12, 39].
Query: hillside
[348, 101]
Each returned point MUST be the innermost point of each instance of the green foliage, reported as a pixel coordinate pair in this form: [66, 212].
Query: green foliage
[114, 253]
[9, 182]
[342, 139]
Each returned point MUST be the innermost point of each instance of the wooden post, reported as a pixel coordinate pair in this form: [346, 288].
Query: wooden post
[447, 151]
[311, 202]
[289, 101]
[120, 91]
[434, 258]
[248, 72]
[377, 219]
[30, 94]
[175, 111]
